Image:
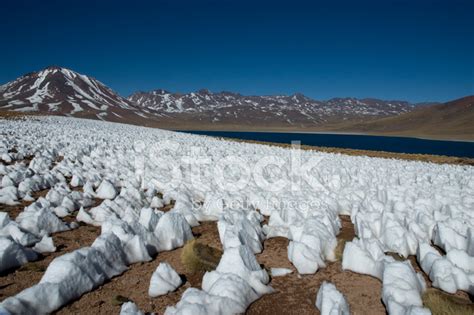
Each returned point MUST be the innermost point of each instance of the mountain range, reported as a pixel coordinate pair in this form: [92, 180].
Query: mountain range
[294, 110]
[59, 91]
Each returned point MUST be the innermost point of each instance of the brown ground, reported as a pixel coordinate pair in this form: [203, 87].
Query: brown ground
[15, 280]
[452, 120]
[208, 234]
[134, 283]
[5, 114]
[294, 294]
[31, 273]
[297, 294]
[167, 207]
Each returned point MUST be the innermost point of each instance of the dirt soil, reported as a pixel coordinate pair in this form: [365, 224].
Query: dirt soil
[296, 294]
[134, 283]
[17, 280]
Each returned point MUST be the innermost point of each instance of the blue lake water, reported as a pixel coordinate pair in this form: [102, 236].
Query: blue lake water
[362, 142]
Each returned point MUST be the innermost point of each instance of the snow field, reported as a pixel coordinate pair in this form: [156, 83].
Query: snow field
[396, 206]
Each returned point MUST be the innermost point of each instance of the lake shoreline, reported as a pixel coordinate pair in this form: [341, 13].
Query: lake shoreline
[430, 158]
[433, 158]
[325, 132]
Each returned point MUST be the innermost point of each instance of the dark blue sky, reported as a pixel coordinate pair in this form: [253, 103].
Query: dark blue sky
[412, 50]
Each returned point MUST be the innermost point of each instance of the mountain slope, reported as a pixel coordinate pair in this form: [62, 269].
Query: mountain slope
[60, 91]
[451, 120]
[227, 108]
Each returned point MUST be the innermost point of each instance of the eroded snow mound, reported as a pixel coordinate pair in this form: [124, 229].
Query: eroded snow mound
[402, 286]
[449, 238]
[106, 190]
[280, 272]
[40, 220]
[450, 273]
[212, 208]
[13, 255]
[230, 289]
[365, 256]
[241, 262]
[149, 218]
[130, 308]
[198, 302]
[402, 289]
[164, 280]
[330, 301]
[312, 244]
[124, 206]
[9, 194]
[64, 201]
[311, 230]
[138, 243]
[172, 231]
[45, 245]
[4, 219]
[11, 229]
[239, 228]
[69, 276]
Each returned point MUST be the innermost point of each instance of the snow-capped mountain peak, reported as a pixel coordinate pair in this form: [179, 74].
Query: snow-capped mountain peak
[60, 91]
[57, 89]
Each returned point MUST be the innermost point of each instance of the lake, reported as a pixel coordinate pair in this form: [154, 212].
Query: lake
[361, 142]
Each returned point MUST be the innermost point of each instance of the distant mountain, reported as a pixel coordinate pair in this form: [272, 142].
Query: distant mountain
[295, 110]
[61, 91]
[451, 120]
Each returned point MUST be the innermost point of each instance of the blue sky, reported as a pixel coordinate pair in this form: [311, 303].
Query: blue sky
[411, 50]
